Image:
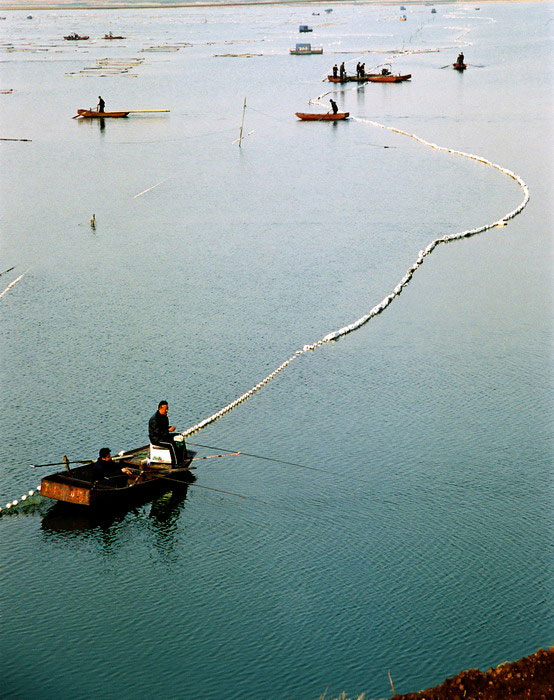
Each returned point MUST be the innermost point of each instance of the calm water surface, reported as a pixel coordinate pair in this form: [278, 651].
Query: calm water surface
[421, 543]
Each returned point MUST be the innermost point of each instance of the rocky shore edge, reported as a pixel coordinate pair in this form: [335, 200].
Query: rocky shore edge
[531, 678]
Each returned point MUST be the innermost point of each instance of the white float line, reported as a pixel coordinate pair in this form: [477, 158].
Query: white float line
[378, 308]
[151, 188]
[12, 504]
[12, 284]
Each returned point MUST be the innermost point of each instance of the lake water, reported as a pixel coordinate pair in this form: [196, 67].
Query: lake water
[414, 534]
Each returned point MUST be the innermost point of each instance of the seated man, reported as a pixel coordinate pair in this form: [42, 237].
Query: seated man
[159, 433]
[105, 467]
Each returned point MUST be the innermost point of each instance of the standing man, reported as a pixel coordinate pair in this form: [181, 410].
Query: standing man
[101, 104]
[342, 71]
[335, 71]
[160, 433]
[334, 106]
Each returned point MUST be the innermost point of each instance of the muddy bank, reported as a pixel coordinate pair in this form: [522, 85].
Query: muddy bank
[531, 677]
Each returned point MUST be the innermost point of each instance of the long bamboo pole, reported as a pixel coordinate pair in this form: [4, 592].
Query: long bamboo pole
[242, 123]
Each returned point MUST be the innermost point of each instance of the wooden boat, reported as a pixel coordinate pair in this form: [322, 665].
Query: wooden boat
[100, 115]
[459, 66]
[75, 37]
[379, 78]
[111, 36]
[330, 117]
[304, 28]
[78, 485]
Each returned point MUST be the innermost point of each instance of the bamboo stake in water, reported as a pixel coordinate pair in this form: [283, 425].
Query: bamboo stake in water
[242, 123]
[391, 683]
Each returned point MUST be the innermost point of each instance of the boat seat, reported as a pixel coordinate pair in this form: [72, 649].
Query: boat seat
[159, 454]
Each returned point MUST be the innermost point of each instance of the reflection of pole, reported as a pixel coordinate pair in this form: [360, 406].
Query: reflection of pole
[242, 123]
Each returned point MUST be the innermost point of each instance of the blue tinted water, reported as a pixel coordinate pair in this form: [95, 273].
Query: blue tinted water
[421, 544]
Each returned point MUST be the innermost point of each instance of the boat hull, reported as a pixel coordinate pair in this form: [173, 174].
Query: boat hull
[388, 78]
[91, 114]
[311, 52]
[370, 77]
[322, 117]
[459, 66]
[78, 486]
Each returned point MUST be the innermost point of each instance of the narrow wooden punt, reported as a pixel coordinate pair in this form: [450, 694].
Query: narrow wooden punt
[459, 66]
[370, 77]
[100, 115]
[322, 117]
[76, 37]
[79, 487]
[388, 78]
[110, 36]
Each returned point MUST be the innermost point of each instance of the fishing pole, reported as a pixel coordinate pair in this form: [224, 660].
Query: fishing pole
[270, 459]
[120, 457]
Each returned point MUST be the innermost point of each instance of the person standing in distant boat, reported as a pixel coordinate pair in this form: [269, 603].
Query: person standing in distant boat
[460, 60]
[160, 434]
[342, 71]
[335, 71]
[358, 66]
[334, 106]
[101, 104]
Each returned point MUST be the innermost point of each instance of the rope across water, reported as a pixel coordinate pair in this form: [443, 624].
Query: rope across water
[382, 305]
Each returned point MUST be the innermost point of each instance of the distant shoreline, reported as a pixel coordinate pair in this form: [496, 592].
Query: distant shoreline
[6, 5]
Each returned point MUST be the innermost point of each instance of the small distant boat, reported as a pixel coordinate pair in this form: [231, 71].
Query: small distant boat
[111, 36]
[403, 18]
[433, 11]
[304, 28]
[91, 113]
[459, 66]
[100, 115]
[315, 14]
[329, 10]
[306, 50]
[307, 117]
[402, 7]
[348, 79]
[380, 78]
[75, 37]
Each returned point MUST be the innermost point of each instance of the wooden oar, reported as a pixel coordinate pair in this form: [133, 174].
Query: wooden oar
[61, 464]
[141, 111]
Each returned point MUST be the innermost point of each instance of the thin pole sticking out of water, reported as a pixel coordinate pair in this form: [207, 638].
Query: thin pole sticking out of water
[391, 683]
[242, 123]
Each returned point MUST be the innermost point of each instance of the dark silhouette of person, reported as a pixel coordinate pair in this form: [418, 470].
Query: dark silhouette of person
[160, 434]
[334, 106]
[101, 104]
[335, 70]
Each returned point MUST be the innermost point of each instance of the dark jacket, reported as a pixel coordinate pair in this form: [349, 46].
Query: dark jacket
[158, 429]
[102, 469]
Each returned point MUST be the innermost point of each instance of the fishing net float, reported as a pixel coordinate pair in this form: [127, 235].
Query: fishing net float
[382, 305]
